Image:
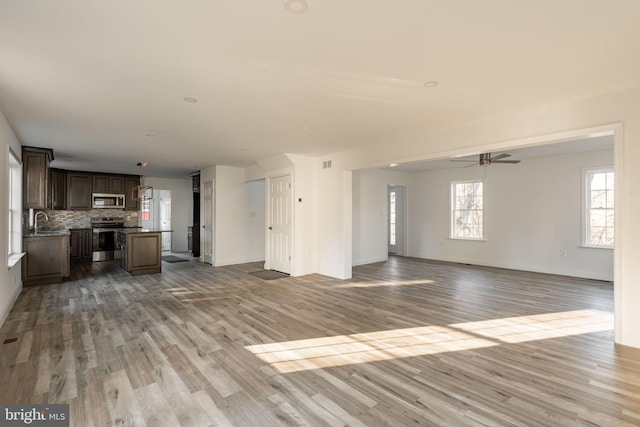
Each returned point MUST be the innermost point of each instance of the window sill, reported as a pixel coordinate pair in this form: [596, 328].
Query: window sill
[13, 259]
[607, 248]
[467, 239]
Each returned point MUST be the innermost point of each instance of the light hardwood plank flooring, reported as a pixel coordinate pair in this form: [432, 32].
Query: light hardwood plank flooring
[406, 342]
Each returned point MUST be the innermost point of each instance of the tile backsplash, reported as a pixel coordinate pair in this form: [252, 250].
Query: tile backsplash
[82, 219]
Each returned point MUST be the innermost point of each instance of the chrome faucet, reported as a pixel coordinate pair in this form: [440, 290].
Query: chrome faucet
[35, 219]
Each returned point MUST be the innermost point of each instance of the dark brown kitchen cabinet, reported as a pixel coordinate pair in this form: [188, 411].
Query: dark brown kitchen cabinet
[108, 184]
[57, 189]
[46, 260]
[131, 204]
[116, 184]
[78, 191]
[35, 176]
[81, 244]
[142, 252]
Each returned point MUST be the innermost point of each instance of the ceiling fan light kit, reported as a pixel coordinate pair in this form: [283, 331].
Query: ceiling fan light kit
[485, 159]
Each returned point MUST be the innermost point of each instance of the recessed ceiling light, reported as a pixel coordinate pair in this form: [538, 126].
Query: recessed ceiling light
[296, 6]
[430, 84]
[190, 100]
[393, 165]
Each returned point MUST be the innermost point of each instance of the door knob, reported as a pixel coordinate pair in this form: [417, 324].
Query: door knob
[270, 228]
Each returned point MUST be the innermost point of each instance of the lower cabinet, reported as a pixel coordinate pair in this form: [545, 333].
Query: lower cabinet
[142, 253]
[46, 260]
[81, 244]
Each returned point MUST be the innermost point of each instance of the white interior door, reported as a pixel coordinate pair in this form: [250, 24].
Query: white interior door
[164, 208]
[207, 222]
[396, 230]
[280, 227]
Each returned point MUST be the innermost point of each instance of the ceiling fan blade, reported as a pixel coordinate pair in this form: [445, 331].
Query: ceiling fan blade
[500, 156]
[506, 161]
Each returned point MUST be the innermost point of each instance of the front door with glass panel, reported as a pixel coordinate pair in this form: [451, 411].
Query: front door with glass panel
[396, 229]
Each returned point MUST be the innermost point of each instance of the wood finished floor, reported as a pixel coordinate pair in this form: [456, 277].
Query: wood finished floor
[406, 342]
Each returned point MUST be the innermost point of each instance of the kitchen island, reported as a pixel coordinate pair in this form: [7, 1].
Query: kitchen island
[139, 250]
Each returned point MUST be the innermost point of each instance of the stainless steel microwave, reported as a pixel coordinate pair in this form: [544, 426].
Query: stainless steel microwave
[107, 201]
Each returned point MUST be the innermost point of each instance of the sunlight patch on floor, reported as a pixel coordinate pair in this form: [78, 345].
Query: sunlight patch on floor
[325, 352]
[540, 326]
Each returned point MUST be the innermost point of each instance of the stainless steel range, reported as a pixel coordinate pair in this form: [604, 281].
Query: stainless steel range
[104, 237]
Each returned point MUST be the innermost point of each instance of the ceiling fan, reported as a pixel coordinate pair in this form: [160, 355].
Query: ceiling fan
[485, 159]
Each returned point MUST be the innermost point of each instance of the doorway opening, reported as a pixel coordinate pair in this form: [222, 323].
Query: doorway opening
[156, 215]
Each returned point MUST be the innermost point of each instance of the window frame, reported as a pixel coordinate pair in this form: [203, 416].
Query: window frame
[14, 208]
[452, 209]
[586, 205]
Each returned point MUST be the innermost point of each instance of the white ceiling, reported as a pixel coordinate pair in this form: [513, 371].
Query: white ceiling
[92, 79]
[599, 143]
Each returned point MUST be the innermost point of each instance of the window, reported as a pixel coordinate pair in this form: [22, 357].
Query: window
[392, 218]
[467, 203]
[145, 210]
[599, 209]
[14, 217]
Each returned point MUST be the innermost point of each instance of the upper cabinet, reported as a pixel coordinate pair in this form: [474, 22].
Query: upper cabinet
[131, 204]
[57, 189]
[35, 176]
[108, 184]
[116, 184]
[50, 188]
[78, 190]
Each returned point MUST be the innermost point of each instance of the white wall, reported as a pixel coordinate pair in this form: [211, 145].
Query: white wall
[371, 213]
[334, 225]
[305, 173]
[181, 207]
[10, 280]
[239, 217]
[533, 211]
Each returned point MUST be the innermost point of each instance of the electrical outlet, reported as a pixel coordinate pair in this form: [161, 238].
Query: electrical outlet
[563, 253]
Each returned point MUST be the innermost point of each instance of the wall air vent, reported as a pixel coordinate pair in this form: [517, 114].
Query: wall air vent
[326, 164]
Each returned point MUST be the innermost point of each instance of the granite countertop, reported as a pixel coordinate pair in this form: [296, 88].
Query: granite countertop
[48, 233]
[141, 230]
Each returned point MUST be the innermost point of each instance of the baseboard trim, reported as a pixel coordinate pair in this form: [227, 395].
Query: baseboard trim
[630, 339]
[223, 263]
[5, 313]
[369, 261]
[523, 267]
